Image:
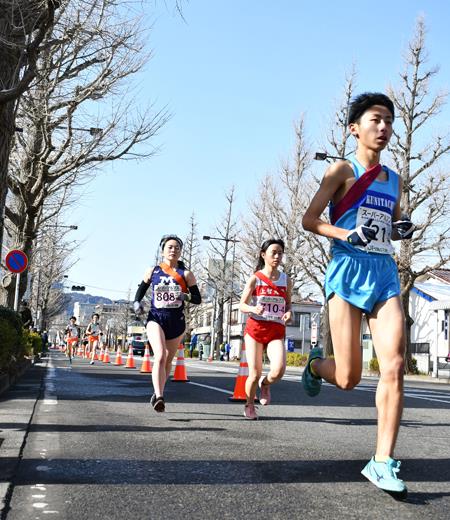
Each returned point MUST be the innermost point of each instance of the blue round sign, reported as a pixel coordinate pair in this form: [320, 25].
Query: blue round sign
[16, 261]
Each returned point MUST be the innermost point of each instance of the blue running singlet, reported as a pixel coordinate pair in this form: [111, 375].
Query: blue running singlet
[364, 276]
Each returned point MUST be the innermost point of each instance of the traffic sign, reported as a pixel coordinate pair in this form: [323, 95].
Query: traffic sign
[16, 261]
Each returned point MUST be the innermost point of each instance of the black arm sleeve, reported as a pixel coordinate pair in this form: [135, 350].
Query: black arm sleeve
[195, 295]
[142, 289]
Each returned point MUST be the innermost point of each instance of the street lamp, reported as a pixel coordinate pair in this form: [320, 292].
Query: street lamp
[58, 226]
[92, 130]
[230, 305]
[323, 156]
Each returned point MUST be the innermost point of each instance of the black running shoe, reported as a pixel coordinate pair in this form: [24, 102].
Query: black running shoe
[159, 405]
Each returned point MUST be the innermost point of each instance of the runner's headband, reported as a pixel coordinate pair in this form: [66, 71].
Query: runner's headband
[166, 238]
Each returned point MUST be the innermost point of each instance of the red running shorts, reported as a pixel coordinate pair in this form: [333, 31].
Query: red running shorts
[264, 331]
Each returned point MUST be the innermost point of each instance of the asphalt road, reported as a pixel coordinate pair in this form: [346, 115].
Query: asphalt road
[92, 447]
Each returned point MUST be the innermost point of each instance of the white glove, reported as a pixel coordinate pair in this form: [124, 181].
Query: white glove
[138, 309]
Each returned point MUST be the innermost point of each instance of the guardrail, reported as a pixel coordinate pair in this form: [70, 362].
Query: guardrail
[443, 366]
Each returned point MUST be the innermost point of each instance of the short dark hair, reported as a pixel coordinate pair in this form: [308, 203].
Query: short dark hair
[363, 102]
[73, 318]
[96, 314]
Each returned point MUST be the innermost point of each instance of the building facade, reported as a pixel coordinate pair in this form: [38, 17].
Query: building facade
[305, 318]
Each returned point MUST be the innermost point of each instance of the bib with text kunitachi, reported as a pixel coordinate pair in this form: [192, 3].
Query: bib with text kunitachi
[274, 304]
[377, 207]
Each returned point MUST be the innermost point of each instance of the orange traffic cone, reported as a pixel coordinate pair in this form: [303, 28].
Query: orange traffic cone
[146, 363]
[130, 358]
[239, 394]
[100, 356]
[180, 375]
[106, 355]
[119, 360]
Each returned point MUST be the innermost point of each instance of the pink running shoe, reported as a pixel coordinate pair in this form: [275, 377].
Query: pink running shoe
[264, 396]
[250, 412]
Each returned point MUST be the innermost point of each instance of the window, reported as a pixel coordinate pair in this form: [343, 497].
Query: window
[445, 324]
[234, 316]
[302, 320]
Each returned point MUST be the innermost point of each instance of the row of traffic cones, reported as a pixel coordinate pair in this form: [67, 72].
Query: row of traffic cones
[180, 374]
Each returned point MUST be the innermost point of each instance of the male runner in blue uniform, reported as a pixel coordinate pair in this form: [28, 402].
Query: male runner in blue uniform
[362, 277]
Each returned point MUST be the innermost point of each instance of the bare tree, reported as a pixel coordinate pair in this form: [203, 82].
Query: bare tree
[276, 212]
[23, 26]
[316, 249]
[52, 260]
[419, 160]
[191, 259]
[281, 202]
[79, 113]
[221, 271]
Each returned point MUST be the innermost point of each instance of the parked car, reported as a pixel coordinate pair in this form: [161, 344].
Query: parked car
[138, 346]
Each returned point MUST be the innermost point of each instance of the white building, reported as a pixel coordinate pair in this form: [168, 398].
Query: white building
[304, 314]
[429, 307]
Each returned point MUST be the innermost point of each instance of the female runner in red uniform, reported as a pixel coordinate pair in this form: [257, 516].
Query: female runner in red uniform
[267, 299]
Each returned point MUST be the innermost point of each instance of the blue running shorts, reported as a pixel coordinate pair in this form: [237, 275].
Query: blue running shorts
[362, 280]
[172, 323]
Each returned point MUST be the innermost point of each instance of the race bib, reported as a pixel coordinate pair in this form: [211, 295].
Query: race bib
[382, 224]
[167, 296]
[274, 307]
[73, 332]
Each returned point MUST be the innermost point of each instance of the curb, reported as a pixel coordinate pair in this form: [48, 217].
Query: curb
[8, 380]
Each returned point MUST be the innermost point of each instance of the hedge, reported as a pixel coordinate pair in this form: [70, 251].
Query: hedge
[12, 347]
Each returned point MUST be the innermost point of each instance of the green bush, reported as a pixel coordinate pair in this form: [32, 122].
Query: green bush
[33, 343]
[187, 353]
[11, 339]
[413, 366]
[294, 359]
[374, 366]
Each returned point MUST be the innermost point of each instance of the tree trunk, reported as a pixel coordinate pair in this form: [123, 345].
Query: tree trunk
[6, 135]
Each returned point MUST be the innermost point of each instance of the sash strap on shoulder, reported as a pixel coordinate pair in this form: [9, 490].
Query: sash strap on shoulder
[171, 272]
[281, 292]
[355, 192]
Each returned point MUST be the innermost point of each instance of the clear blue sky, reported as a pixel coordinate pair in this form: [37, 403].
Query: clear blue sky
[236, 76]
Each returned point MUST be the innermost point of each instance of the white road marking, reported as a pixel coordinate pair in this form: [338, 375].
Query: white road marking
[50, 387]
[426, 395]
[211, 388]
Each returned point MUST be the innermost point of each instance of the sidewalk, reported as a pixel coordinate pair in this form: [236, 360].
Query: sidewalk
[16, 411]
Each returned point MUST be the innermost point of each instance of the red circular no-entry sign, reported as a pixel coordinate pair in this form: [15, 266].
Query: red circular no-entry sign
[16, 261]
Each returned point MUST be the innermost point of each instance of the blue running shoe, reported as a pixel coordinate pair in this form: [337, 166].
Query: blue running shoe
[311, 383]
[384, 475]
